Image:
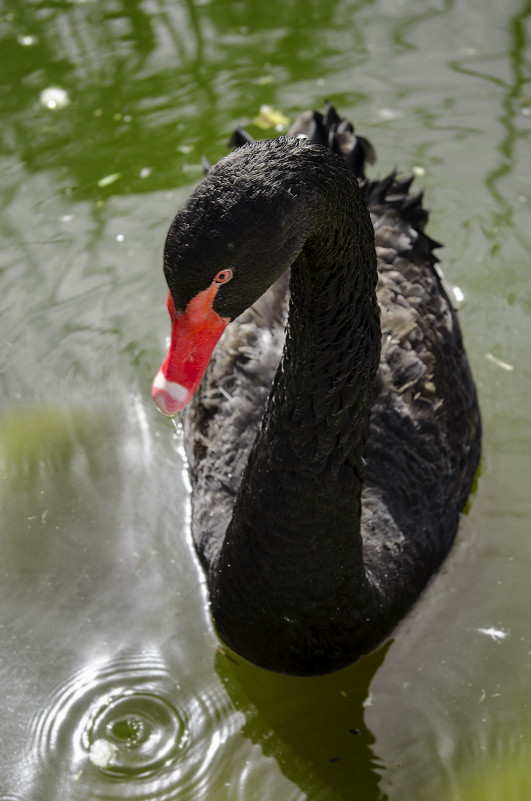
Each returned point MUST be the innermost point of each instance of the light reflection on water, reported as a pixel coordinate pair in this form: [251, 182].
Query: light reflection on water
[165, 742]
[123, 702]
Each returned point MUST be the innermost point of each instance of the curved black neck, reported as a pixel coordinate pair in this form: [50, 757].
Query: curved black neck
[297, 516]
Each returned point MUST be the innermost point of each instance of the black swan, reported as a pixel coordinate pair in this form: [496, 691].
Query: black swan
[335, 434]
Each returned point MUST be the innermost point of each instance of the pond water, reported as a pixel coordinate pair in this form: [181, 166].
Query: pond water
[114, 684]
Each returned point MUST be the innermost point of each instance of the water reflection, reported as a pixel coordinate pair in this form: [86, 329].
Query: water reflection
[513, 101]
[147, 78]
[314, 727]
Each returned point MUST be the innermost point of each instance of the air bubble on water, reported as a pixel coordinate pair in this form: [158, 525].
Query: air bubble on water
[102, 753]
[54, 98]
[458, 293]
[388, 113]
[27, 41]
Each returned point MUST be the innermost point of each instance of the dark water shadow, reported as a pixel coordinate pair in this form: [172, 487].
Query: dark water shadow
[313, 727]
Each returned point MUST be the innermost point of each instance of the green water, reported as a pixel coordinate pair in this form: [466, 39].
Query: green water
[105, 637]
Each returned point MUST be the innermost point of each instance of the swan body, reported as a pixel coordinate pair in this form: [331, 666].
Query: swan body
[335, 435]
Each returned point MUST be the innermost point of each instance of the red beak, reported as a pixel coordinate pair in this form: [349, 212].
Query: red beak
[194, 335]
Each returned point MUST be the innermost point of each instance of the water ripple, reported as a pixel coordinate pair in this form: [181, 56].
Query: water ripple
[133, 733]
[125, 729]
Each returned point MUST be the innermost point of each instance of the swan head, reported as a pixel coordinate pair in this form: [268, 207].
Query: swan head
[242, 227]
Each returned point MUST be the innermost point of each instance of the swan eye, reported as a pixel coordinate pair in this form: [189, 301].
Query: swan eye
[223, 276]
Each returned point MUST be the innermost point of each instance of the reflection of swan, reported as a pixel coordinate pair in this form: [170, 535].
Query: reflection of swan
[321, 723]
[318, 532]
